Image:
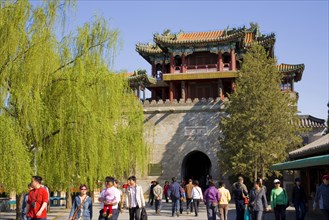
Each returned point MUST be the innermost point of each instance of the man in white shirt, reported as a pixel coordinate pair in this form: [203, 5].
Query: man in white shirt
[135, 199]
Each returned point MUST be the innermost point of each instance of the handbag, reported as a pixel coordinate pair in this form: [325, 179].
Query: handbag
[246, 215]
[74, 216]
[245, 198]
[143, 214]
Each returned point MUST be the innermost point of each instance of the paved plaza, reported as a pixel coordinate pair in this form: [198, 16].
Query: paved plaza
[60, 213]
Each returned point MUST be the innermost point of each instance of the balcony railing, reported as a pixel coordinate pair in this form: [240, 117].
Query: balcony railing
[226, 66]
[177, 69]
[202, 68]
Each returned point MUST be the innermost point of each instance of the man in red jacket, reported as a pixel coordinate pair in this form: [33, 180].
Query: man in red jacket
[37, 200]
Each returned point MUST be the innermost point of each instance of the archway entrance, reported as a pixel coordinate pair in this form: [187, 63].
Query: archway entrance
[196, 165]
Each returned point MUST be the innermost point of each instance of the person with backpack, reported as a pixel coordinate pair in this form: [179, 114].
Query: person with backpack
[175, 194]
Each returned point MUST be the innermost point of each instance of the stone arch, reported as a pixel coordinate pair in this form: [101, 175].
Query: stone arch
[196, 165]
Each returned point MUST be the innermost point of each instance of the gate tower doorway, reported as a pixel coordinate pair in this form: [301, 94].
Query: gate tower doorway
[196, 166]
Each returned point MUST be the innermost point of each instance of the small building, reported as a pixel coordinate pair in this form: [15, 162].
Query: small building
[309, 162]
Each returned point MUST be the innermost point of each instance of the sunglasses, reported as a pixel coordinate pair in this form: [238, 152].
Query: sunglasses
[276, 183]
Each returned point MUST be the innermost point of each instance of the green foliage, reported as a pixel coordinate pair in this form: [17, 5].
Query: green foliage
[60, 98]
[262, 122]
[15, 170]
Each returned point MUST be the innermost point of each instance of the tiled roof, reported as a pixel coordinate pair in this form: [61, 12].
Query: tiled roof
[288, 68]
[308, 121]
[320, 146]
[199, 37]
[250, 38]
[148, 48]
[141, 76]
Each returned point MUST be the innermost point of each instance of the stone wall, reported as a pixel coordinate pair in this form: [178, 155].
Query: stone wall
[175, 129]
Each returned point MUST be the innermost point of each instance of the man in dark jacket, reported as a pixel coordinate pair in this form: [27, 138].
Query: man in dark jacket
[299, 199]
[175, 194]
[239, 192]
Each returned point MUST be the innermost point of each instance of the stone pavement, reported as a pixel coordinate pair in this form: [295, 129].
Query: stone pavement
[60, 213]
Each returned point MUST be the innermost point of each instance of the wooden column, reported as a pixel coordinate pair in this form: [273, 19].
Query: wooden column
[163, 67]
[153, 94]
[183, 69]
[233, 60]
[183, 90]
[171, 91]
[186, 91]
[292, 84]
[153, 70]
[138, 92]
[308, 181]
[233, 86]
[163, 94]
[172, 63]
[220, 62]
[220, 89]
[144, 96]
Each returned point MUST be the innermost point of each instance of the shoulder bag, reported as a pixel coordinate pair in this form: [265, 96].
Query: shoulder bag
[78, 209]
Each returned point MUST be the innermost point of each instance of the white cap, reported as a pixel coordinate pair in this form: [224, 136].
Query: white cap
[276, 181]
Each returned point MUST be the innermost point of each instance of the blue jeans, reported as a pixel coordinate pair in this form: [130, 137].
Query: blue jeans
[115, 214]
[300, 210]
[157, 204]
[175, 205]
[211, 211]
[24, 217]
[239, 206]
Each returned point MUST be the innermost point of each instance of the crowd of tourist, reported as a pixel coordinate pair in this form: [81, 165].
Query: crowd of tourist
[249, 204]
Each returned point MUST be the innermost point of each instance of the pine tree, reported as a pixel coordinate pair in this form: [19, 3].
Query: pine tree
[262, 123]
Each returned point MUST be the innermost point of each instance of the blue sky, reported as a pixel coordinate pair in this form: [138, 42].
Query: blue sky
[301, 29]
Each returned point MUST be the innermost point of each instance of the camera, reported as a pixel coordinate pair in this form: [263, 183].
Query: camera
[33, 204]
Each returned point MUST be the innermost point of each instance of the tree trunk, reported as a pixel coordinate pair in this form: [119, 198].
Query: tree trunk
[19, 202]
[255, 174]
[262, 166]
[68, 199]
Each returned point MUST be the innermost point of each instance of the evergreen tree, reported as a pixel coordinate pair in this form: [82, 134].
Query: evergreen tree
[262, 123]
[60, 105]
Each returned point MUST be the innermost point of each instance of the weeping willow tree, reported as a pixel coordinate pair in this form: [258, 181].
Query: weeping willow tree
[262, 123]
[61, 107]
